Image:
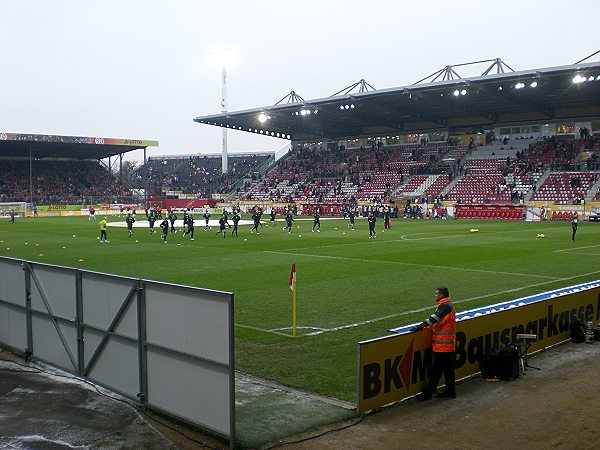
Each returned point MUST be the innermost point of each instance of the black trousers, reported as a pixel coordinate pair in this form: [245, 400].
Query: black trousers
[443, 364]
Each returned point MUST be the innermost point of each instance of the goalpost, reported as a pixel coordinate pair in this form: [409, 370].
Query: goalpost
[21, 209]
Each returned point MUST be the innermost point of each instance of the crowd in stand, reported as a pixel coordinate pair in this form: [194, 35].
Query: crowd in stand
[201, 175]
[59, 182]
[334, 175]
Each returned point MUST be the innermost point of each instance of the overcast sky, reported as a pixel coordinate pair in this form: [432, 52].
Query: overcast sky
[140, 68]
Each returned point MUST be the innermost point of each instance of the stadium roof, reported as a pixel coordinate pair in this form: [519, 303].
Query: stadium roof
[71, 147]
[550, 95]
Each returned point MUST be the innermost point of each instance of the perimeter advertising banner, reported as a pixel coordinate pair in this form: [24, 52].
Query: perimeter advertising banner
[395, 367]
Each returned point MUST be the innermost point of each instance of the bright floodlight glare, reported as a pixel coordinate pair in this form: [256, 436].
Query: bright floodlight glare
[221, 56]
[519, 85]
[577, 79]
[591, 78]
[463, 92]
[456, 93]
[534, 84]
[262, 117]
[352, 106]
[597, 77]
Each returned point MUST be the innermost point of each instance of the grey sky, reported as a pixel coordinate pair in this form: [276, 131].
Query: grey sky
[140, 68]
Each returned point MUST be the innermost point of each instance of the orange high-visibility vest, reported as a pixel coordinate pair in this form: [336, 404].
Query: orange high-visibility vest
[443, 338]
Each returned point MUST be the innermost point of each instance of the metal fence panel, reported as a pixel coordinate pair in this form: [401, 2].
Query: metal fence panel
[205, 397]
[104, 296]
[121, 353]
[189, 320]
[47, 343]
[168, 346]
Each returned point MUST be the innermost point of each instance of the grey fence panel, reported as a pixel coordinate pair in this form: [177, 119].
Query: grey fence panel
[188, 320]
[103, 297]
[12, 282]
[13, 330]
[191, 389]
[56, 287]
[47, 343]
[12, 326]
[168, 346]
[119, 353]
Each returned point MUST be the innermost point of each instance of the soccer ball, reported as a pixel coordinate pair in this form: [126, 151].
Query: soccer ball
[474, 230]
[541, 236]
[245, 239]
[97, 237]
[74, 236]
[299, 235]
[344, 232]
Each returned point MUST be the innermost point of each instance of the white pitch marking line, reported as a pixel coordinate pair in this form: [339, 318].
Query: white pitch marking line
[414, 264]
[571, 250]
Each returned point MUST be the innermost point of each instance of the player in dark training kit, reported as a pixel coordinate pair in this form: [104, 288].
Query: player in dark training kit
[129, 220]
[164, 225]
[236, 220]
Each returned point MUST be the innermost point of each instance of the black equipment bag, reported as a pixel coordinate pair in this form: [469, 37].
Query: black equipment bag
[490, 364]
[577, 331]
[509, 362]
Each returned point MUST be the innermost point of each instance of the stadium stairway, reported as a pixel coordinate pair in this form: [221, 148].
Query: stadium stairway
[589, 197]
[539, 183]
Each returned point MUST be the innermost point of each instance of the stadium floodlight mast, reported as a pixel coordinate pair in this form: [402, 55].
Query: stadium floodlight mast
[223, 57]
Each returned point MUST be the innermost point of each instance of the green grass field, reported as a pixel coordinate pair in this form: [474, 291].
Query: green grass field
[350, 287]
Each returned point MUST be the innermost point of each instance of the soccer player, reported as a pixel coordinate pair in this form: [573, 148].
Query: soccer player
[172, 219]
[222, 226]
[12, 216]
[351, 216]
[129, 220]
[206, 216]
[164, 225]
[190, 227]
[317, 221]
[103, 237]
[272, 219]
[92, 213]
[288, 222]
[151, 221]
[236, 220]
[574, 223]
[256, 219]
[186, 216]
[372, 220]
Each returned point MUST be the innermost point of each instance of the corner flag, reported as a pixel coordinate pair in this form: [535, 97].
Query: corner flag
[293, 276]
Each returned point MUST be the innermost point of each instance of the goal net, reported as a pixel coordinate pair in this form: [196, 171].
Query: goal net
[20, 208]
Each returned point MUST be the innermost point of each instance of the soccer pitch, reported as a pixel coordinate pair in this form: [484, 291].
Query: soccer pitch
[350, 287]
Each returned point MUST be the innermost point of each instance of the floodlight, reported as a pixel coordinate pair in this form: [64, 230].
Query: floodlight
[534, 84]
[519, 85]
[591, 78]
[262, 117]
[456, 93]
[352, 106]
[597, 77]
[577, 79]
[315, 111]
[499, 88]
[463, 92]
[221, 56]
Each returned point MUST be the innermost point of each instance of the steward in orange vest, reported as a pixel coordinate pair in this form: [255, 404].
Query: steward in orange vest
[443, 344]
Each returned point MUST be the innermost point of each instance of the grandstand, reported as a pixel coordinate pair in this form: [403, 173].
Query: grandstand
[61, 170]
